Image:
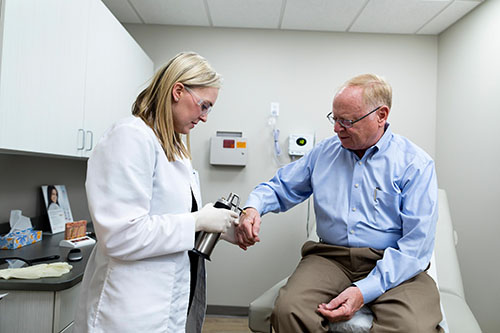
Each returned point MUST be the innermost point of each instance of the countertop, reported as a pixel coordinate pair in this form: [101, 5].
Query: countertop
[49, 245]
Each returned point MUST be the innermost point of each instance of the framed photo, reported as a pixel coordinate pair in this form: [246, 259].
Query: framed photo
[57, 205]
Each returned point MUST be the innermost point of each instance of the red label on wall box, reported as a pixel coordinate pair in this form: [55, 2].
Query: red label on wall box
[228, 143]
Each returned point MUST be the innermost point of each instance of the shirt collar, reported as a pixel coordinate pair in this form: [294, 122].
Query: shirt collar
[386, 137]
[381, 143]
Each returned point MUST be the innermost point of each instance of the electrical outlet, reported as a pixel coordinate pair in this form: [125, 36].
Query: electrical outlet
[275, 109]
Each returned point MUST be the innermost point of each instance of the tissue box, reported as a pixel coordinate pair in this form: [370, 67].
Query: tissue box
[17, 239]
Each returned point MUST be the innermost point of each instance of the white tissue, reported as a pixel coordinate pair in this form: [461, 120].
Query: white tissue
[18, 221]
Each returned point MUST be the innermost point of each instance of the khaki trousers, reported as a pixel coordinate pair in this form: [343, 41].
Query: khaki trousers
[326, 270]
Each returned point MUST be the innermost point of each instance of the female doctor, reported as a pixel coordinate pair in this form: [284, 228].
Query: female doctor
[142, 196]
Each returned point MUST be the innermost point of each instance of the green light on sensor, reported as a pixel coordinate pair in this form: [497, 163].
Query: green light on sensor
[301, 141]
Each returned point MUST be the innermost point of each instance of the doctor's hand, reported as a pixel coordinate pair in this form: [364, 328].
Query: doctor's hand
[344, 306]
[211, 219]
[229, 235]
[247, 232]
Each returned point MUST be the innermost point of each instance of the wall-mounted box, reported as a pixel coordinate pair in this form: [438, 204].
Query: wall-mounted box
[228, 148]
[299, 144]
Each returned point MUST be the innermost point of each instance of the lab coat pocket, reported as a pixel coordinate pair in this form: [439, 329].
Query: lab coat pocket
[137, 296]
[386, 209]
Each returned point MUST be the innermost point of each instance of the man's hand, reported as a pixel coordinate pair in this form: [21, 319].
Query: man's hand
[247, 232]
[344, 306]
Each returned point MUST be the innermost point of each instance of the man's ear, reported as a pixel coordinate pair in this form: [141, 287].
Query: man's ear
[383, 114]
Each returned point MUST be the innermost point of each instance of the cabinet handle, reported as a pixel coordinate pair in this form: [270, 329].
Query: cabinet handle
[91, 140]
[80, 147]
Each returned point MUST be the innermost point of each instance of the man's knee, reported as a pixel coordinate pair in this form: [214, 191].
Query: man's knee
[405, 324]
[411, 307]
[285, 307]
[292, 314]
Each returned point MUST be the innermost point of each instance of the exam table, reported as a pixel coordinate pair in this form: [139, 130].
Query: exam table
[458, 316]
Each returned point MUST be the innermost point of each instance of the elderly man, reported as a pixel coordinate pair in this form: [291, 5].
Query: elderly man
[375, 199]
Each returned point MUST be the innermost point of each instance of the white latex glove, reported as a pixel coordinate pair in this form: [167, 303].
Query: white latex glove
[229, 235]
[211, 219]
[55, 269]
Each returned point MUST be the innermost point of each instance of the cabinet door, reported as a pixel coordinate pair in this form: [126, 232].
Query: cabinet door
[117, 70]
[65, 307]
[42, 75]
[26, 311]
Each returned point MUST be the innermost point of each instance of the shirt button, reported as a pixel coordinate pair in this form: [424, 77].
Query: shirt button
[354, 209]
[352, 231]
[356, 186]
[360, 162]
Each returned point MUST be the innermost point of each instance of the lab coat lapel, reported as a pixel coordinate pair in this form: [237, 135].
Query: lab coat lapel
[194, 181]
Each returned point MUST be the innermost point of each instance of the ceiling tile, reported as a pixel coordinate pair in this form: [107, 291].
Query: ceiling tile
[245, 13]
[322, 15]
[375, 16]
[447, 17]
[173, 12]
[397, 16]
[123, 11]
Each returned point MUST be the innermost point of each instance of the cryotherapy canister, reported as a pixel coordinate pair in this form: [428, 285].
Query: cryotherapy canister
[206, 241]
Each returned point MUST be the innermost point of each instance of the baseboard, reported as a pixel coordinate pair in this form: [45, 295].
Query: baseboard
[224, 310]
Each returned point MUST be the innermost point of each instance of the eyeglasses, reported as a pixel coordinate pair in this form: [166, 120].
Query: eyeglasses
[348, 123]
[205, 106]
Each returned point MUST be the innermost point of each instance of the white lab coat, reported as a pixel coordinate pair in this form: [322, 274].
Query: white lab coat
[137, 277]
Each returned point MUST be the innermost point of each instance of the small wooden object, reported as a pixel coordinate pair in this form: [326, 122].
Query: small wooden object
[75, 235]
[75, 229]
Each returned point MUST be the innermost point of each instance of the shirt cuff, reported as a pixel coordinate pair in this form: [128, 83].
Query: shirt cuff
[188, 231]
[370, 288]
[254, 203]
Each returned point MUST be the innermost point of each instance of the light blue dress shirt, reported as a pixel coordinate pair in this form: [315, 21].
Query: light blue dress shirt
[385, 200]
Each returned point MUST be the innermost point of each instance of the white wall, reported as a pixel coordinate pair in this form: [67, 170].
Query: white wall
[467, 148]
[301, 71]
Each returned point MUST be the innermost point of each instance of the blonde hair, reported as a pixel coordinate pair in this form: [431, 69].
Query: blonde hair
[376, 91]
[154, 104]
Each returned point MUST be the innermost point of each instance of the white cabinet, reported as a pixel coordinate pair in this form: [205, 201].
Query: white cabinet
[117, 71]
[42, 75]
[68, 70]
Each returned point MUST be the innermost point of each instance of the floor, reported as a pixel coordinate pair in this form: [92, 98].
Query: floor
[225, 324]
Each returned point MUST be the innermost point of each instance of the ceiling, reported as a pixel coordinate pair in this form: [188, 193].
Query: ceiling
[429, 17]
